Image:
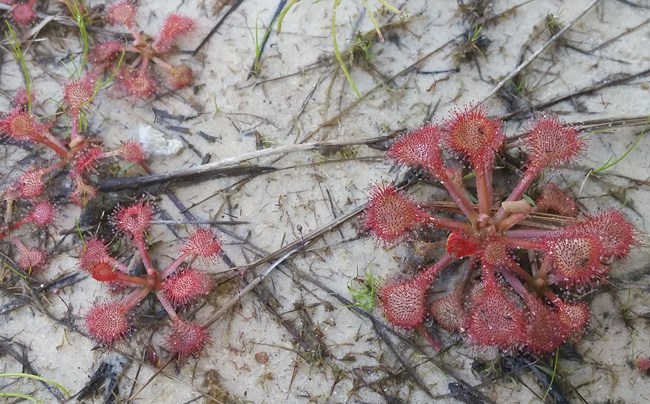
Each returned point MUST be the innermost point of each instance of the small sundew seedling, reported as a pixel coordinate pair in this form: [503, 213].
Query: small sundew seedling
[486, 369]
[360, 49]
[473, 46]
[518, 84]
[364, 295]
[553, 23]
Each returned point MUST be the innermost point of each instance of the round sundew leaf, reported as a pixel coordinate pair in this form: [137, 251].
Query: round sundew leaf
[186, 338]
[390, 214]
[576, 259]
[134, 219]
[552, 143]
[107, 322]
[187, 285]
[495, 320]
[420, 148]
[404, 303]
[473, 134]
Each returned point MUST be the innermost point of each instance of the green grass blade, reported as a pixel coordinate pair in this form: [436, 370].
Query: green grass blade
[284, 12]
[373, 20]
[609, 163]
[39, 378]
[18, 54]
[390, 7]
[26, 397]
[550, 385]
[12, 267]
[80, 21]
[337, 52]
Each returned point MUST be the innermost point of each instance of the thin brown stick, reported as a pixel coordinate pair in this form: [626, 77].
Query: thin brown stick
[232, 165]
[617, 79]
[538, 52]
[216, 27]
[285, 252]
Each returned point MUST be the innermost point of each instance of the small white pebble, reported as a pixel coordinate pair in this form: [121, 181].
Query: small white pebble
[156, 143]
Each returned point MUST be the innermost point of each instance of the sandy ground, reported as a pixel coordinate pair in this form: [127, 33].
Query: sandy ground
[295, 338]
